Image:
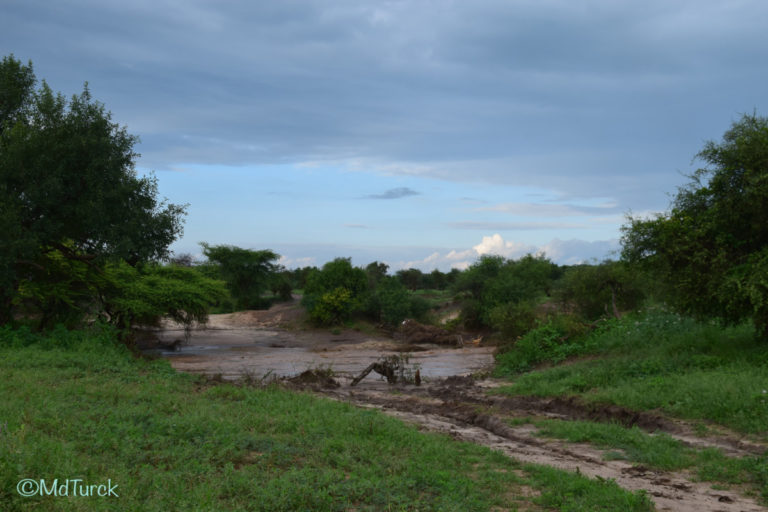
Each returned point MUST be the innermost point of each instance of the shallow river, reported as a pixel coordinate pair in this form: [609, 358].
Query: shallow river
[234, 352]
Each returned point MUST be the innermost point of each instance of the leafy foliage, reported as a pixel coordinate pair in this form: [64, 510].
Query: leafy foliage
[495, 282]
[335, 292]
[68, 189]
[601, 290]
[143, 296]
[248, 273]
[553, 340]
[712, 246]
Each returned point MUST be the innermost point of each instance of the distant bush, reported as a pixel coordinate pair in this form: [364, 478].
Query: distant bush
[601, 290]
[494, 283]
[336, 292]
[513, 319]
[332, 307]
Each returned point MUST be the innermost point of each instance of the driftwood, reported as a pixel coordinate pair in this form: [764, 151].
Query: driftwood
[384, 368]
[394, 368]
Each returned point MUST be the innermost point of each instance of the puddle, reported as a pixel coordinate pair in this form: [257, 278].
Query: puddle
[237, 351]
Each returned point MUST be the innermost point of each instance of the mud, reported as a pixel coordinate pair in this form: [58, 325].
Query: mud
[456, 406]
[274, 344]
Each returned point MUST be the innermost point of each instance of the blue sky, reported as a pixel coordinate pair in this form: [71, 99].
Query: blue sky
[420, 133]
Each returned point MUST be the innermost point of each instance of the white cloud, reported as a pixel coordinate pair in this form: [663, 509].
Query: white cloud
[564, 252]
[496, 245]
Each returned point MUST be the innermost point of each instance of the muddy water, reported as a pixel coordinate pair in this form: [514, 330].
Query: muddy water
[234, 352]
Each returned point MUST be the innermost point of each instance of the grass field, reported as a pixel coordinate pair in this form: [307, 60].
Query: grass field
[77, 406]
[710, 375]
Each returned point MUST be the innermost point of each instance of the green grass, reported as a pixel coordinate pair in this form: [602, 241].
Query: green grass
[662, 361]
[660, 451]
[76, 405]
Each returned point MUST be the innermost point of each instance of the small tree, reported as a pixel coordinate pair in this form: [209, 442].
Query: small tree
[712, 246]
[603, 289]
[493, 281]
[132, 297]
[248, 273]
[335, 292]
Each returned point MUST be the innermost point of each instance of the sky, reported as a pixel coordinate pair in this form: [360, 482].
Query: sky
[420, 133]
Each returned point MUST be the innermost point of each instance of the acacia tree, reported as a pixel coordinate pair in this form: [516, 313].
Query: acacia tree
[68, 187]
[712, 246]
[248, 273]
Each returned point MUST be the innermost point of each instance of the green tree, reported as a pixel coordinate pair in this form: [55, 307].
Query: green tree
[68, 186]
[412, 278]
[336, 292]
[603, 289]
[143, 296]
[248, 273]
[376, 272]
[494, 282]
[712, 246]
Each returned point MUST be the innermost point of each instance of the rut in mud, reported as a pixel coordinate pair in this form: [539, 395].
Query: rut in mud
[459, 407]
[254, 343]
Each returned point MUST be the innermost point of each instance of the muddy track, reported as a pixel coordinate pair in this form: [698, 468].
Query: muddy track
[460, 408]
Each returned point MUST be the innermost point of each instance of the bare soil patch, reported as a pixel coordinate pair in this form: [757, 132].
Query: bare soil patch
[459, 407]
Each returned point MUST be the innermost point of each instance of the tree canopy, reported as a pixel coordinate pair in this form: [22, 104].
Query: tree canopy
[712, 246]
[248, 273]
[69, 191]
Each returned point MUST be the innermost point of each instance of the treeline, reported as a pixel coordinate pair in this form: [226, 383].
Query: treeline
[84, 238]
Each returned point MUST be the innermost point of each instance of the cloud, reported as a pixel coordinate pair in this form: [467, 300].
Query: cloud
[394, 193]
[496, 245]
[563, 252]
[306, 261]
[514, 226]
[581, 99]
[551, 210]
[356, 226]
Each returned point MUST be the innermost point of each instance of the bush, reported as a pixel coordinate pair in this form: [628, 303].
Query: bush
[494, 281]
[332, 307]
[514, 319]
[553, 341]
[394, 302]
[336, 292]
[596, 291]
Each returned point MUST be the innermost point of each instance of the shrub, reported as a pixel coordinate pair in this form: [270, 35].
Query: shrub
[553, 341]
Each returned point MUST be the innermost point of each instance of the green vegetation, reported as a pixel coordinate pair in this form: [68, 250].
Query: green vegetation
[502, 293]
[602, 290]
[553, 341]
[339, 292]
[146, 295]
[659, 360]
[247, 273]
[175, 442]
[660, 451]
[711, 248]
[69, 194]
